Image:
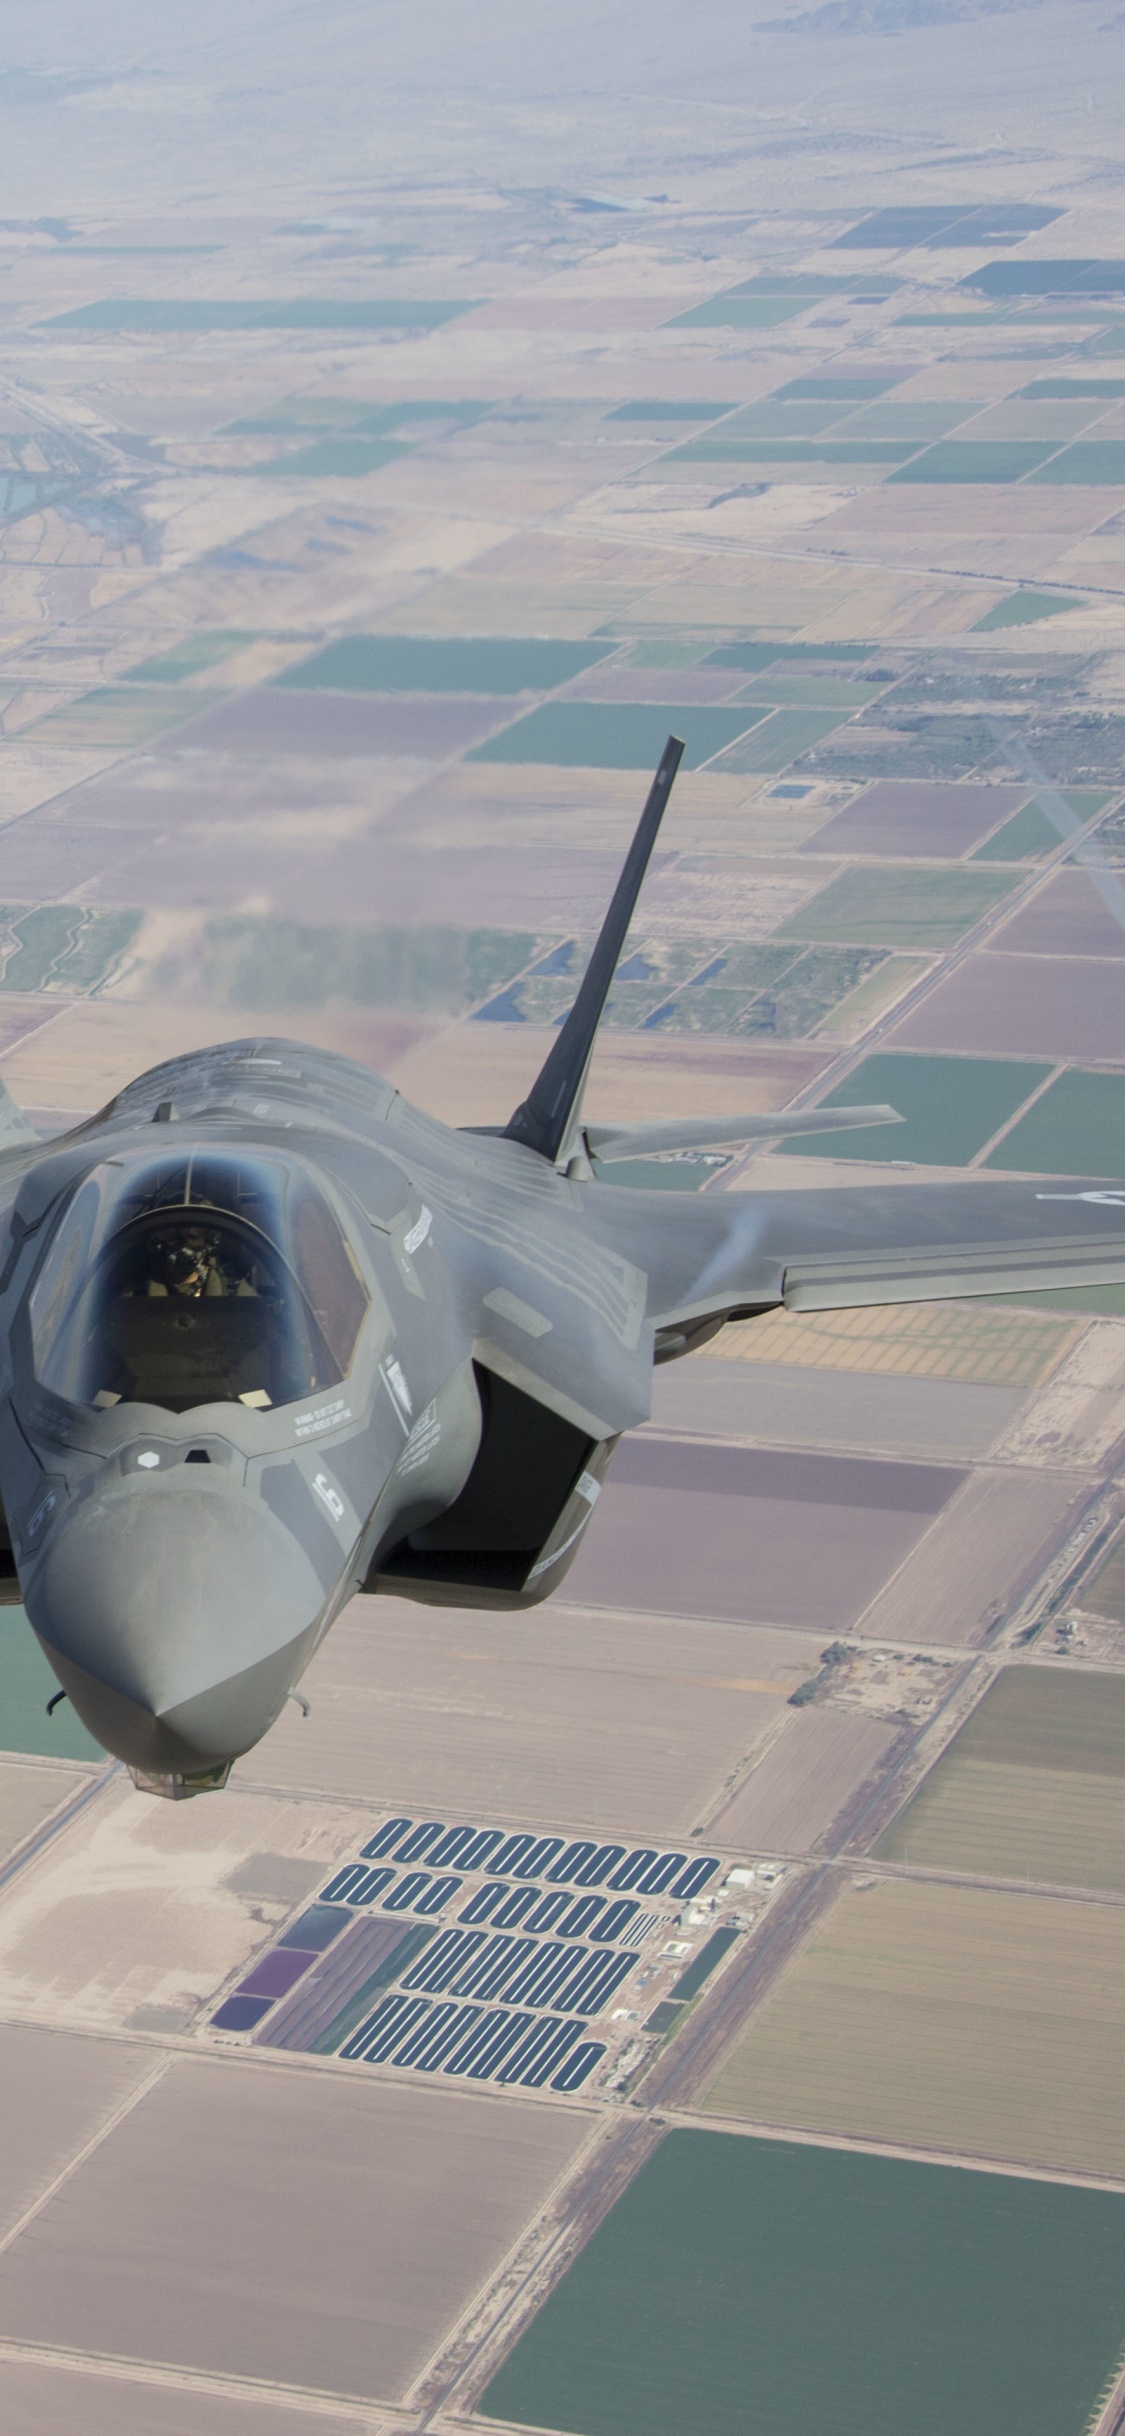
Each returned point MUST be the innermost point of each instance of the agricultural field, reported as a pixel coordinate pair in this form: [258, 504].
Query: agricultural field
[976, 1343]
[486, 664]
[1103, 1593]
[948, 2018]
[1077, 1128]
[614, 736]
[1032, 1788]
[906, 909]
[951, 1106]
[116, 715]
[494, 1714]
[754, 2285]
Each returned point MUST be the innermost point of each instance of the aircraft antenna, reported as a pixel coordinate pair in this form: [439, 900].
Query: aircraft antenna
[545, 1119]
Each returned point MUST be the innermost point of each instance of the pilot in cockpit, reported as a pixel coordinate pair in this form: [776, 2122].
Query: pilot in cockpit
[193, 1262]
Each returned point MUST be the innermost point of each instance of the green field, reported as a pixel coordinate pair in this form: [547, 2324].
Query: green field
[1087, 461]
[349, 458]
[1022, 839]
[1025, 609]
[1032, 1787]
[1104, 1591]
[827, 692]
[1076, 1129]
[325, 414]
[667, 410]
[849, 388]
[749, 2287]
[1031, 832]
[62, 947]
[720, 451]
[951, 1107]
[186, 659]
[115, 715]
[754, 656]
[883, 907]
[780, 419]
[1073, 275]
[915, 419]
[436, 664]
[1065, 388]
[28, 1684]
[773, 746]
[615, 735]
[976, 461]
[1107, 341]
[737, 312]
[167, 313]
[811, 284]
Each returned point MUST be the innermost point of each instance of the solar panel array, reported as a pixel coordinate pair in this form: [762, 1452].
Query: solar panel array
[503, 1990]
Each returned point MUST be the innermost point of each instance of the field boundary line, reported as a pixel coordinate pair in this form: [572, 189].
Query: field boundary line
[118, 2114]
[602, 2173]
[379, 2418]
[858, 2144]
[1111, 2400]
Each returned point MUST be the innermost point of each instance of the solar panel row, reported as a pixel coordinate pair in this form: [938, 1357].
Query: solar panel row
[483, 2043]
[577, 1861]
[534, 1908]
[535, 1911]
[416, 1892]
[524, 1970]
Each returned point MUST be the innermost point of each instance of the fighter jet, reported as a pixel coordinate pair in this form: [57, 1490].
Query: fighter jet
[270, 1335]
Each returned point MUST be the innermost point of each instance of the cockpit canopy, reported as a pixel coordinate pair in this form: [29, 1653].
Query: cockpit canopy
[211, 1277]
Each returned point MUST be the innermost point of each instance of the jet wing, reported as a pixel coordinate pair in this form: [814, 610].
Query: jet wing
[835, 1249]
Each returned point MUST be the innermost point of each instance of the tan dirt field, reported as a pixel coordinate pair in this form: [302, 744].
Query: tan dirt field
[790, 1799]
[967, 1566]
[136, 1914]
[88, 1051]
[56, 2094]
[949, 2018]
[44, 2398]
[29, 1792]
[1079, 1416]
[1048, 1825]
[570, 1718]
[470, 1073]
[415, 2196]
[1033, 1786]
[967, 1341]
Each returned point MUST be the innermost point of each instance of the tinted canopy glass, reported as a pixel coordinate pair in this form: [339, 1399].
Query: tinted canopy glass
[211, 1277]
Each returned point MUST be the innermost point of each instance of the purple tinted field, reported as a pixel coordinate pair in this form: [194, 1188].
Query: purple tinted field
[903, 818]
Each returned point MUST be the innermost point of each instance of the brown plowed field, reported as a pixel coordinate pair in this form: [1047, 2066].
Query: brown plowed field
[950, 2018]
[1032, 1787]
[789, 1801]
[971, 1563]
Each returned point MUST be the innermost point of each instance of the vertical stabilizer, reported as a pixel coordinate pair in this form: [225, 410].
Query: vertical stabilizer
[547, 1118]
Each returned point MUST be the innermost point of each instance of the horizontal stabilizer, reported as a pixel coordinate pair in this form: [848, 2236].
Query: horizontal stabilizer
[609, 1142]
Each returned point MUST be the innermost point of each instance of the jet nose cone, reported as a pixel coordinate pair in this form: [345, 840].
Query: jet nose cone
[176, 1611]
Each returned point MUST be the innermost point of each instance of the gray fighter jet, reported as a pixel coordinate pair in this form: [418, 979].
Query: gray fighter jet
[271, 1335]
